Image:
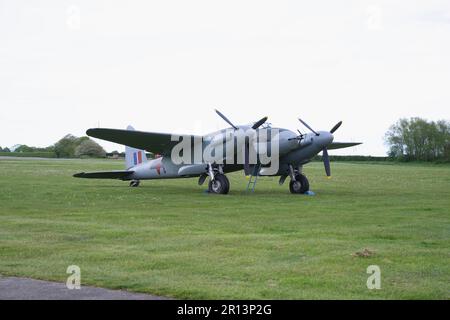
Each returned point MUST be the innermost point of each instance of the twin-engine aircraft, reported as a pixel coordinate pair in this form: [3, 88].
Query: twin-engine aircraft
[240, 147]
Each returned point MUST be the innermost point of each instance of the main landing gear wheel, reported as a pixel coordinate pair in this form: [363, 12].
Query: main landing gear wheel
[220, 185]
[135, 183]
[300, 185]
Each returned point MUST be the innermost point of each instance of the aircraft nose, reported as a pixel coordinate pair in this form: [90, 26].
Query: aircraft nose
[330, 138]
[326, 138]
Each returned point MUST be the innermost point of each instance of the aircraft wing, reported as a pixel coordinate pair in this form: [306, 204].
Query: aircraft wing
[150, 141]
[341, 145]
[104, 175]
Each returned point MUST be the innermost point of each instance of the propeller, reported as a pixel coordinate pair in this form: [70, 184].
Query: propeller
[306, 125]
[226, 119]
[255, 126]
[326, 162]
[325, 156]
[247, 157]
[333, 130]
[259, 123]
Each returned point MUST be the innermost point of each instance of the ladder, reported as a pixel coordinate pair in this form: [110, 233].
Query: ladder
[253, 178]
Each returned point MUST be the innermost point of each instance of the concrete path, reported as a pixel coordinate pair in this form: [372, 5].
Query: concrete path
[12, 288]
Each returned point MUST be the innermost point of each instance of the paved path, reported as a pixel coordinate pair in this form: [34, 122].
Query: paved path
[12, 288]
[32, 158]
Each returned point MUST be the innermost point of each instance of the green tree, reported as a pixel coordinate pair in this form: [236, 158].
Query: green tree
[65, 148]
[49, 149]
[418, 139]
[443, 138]
[25, 148]
[89, 148]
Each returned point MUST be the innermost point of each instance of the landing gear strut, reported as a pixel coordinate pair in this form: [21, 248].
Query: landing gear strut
[135, 183]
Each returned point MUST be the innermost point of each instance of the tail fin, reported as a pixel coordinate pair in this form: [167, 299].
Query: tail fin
[134, 156]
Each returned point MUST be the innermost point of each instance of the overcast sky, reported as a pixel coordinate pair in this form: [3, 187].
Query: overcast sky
[163, 66]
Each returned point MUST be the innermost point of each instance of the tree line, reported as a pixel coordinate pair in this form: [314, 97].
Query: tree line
[413, 139]
[68, 147]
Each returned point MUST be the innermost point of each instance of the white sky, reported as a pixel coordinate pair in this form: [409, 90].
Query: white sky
[163, 66]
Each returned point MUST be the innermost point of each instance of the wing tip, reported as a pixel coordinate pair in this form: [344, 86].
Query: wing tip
[79, 175]
[104, 174]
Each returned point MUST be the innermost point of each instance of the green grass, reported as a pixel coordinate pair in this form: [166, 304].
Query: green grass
[170, 238]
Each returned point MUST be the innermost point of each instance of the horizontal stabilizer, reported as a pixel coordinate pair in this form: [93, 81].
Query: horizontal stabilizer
[104, 175]
[341, 145]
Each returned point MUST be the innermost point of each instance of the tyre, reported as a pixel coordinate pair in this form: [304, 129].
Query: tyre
[227, 189]
[135, 183]
[220, 185]
[300, 186]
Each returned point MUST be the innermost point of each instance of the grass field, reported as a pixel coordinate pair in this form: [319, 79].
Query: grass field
[170, 238]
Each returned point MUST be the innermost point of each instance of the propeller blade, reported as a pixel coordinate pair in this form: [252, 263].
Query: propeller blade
[247, 159]
[326, 162]
[306, 125]
[336, 127]
[226, 119]
[259, 123]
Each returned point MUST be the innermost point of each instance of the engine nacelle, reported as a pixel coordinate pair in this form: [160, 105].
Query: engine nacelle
[287, 142]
